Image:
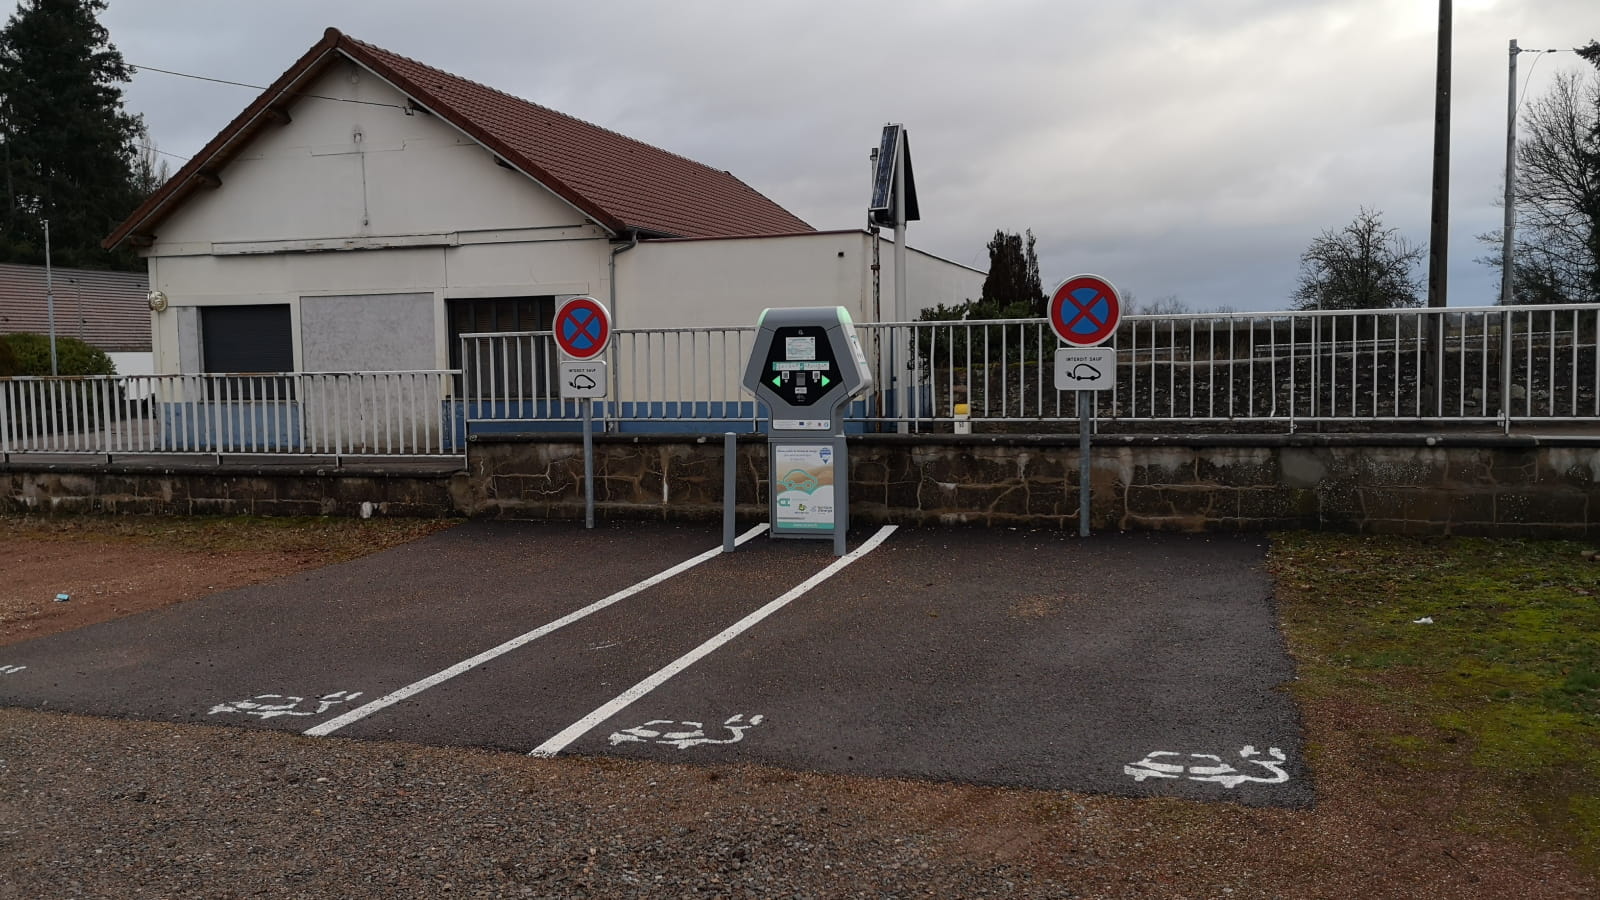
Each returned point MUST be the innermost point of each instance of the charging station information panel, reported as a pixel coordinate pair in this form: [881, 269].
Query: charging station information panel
[806, 366]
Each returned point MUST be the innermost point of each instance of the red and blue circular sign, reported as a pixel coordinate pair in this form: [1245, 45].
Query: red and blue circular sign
[583, 327]
[1085, 310]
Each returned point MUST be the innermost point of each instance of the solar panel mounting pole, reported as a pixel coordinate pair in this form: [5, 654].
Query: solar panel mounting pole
[901, 313]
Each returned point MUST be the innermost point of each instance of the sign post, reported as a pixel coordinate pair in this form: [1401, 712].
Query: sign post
[1084, 312]
[583, 330]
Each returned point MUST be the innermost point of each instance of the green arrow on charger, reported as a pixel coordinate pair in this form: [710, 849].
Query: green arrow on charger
[777, 380]
[825, 381]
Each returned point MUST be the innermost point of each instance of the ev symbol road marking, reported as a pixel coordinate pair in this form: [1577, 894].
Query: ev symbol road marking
[694, 736]
[1209, 767]
[268, 706]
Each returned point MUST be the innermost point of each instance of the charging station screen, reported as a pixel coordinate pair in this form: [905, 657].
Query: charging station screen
[800, 366]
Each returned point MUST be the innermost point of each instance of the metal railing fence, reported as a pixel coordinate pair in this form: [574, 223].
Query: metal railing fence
[664, 375]
[1497, 366]
[335, 414]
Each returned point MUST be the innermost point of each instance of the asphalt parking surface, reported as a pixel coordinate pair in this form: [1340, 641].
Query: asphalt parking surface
[1142, 664]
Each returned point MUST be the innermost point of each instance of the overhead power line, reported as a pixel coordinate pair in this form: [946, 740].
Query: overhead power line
[257, 87]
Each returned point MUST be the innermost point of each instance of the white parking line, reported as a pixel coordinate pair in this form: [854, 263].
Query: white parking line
[411, 690]
[623, 700]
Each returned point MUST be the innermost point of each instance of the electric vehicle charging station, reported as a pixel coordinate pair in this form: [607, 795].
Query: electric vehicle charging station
[807, 366]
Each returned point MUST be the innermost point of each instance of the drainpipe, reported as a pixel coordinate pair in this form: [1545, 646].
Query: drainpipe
[616, 251]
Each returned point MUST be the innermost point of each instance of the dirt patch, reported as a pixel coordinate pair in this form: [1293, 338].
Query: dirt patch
[110, 568]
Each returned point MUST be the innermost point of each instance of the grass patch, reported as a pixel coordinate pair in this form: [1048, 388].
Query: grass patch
[1502, 676]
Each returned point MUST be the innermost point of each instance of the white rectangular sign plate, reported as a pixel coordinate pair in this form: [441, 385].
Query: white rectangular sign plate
[1086, 368]
[583, 380]
[802, 476]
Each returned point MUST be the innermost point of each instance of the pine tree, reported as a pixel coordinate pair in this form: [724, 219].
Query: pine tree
[67, 146]
[1012, 289]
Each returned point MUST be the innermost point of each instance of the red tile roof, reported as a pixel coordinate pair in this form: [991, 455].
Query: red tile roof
[106, 309]
[619, 182]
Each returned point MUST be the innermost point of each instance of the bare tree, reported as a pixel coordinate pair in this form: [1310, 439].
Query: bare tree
[1558, 195]
[1360, 266]
[1165, 305]
[150, 171]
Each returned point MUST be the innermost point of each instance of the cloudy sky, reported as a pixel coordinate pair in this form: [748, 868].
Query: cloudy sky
[1175, 147]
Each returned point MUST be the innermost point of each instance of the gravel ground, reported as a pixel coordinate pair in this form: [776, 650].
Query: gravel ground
[106, 808]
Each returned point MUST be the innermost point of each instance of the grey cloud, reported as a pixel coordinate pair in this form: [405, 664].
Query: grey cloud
[1176, 147]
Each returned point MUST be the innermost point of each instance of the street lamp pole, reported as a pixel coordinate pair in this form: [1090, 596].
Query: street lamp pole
[50, 299]
[1508, 230]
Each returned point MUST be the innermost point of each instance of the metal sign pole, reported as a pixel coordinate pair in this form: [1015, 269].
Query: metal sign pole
[588, 463]
[1084, 469]
[1084, 311]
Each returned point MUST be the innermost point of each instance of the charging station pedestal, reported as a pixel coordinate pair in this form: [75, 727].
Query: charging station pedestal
[807, 366]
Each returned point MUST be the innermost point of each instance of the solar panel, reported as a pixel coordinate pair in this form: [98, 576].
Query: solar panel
[881, 212]
[883, 181]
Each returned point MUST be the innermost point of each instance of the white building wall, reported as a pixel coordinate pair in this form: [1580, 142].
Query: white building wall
[671, 284]
[356, 201]
[347, 170]
[727, 282]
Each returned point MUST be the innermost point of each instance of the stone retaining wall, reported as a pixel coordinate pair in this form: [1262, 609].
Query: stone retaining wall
[228, 489]
[1439, 484]
[1456, 484]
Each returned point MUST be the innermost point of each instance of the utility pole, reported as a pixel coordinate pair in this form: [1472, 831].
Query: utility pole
[1439, 235]
[50, 299]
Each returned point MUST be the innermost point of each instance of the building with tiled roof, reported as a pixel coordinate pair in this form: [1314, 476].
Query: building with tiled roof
[367, 208]
[106, 309]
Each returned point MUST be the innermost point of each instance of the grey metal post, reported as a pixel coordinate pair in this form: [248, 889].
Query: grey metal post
[841, 495]
[730, 464]
[902, 312]
[1509, 228]
[1505, 367]
[50, 299]
[588, 463]
[1084, 469]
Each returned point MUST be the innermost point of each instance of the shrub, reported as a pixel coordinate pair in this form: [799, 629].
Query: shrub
[31, 356]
